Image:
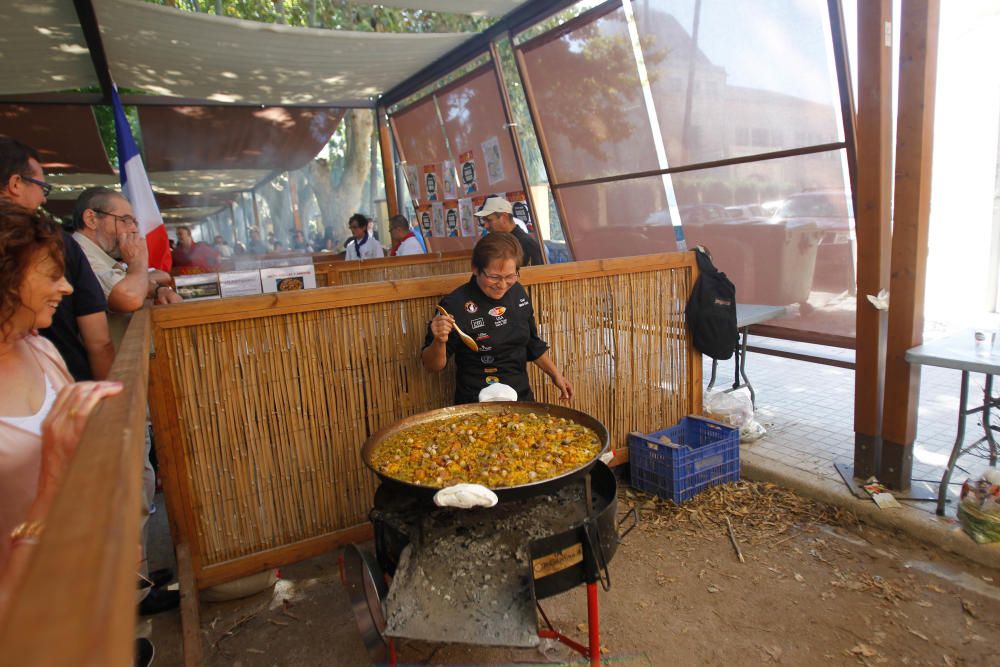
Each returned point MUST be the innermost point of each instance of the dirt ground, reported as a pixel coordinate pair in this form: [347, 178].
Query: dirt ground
[816, 587]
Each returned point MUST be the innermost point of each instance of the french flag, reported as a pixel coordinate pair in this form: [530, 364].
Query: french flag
[136, 188]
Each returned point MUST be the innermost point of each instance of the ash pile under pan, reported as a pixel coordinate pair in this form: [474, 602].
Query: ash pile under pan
[465, 576]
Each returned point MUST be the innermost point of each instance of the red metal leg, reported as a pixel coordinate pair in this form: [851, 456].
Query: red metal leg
[593, 625]
[392, 653]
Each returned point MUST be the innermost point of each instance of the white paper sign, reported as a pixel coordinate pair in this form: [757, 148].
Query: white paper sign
[288, 278]
[240, 283]
[494, 161]
[198, 286]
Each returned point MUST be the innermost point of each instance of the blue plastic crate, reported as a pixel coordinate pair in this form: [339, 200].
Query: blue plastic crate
[704, 453]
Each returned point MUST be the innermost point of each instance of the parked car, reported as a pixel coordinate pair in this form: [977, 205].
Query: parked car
[831, 212]
[744, 211]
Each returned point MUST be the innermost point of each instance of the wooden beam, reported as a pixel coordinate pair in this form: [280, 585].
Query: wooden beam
[95, 45]
[388, 164]
[872, 215]
[190, 613]
[914, 147]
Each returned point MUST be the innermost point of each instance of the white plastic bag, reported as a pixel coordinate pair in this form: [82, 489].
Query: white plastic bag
[733, 408]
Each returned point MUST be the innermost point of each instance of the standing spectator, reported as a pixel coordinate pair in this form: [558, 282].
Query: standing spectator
[80, 325]
[498, 215]
[42, 421]
[299, 242]
[191, 257]
[257, 246]
[404, 241]
[363, 245]
[327, 243]
[221, 247]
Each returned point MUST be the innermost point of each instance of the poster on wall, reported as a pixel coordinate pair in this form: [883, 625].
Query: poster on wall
[477, 203]
[519, 202]
[437, 219]
[494, 161]
[412, 184]
[424, 219]
[449, 187]
[466, 221]
[467, 173]
[451, 217]
[432, 183]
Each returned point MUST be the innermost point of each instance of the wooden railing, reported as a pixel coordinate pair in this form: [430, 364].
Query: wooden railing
[76, 602]
[330, 273]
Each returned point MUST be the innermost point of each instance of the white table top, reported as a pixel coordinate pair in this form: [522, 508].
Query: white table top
[957, 351]
[748, 314]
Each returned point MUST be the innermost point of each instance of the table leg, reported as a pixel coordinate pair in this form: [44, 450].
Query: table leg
[743, 367]
[963, 401]
[987, 404]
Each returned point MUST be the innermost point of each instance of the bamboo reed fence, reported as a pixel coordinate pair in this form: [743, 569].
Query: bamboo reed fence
[341, 272]
[261, 404]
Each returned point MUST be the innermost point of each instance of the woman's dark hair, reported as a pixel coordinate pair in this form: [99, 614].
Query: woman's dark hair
[494, 246]
[22, 234]
[360, 218]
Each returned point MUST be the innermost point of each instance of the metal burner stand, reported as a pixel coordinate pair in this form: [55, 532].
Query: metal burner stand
[576, 552]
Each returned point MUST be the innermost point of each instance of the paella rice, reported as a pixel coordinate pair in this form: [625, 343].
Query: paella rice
[495, 450]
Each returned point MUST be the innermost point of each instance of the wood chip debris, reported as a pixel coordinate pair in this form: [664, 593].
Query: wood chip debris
[760, 512]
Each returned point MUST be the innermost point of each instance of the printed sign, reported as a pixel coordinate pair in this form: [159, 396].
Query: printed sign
[494, 161]
[451, 217]
[437, 219]
[466, 221]
[288, 278]
[519, 202]
[424, 219]
[412, 180]
[449, 188]
[198, 286]
[431, 183]
[239, 283]
[467, 173]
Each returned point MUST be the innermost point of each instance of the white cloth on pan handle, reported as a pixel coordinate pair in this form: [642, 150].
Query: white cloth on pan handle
[465, 496]
[497, 392]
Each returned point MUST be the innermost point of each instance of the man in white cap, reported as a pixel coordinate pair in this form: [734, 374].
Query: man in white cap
[498, 215]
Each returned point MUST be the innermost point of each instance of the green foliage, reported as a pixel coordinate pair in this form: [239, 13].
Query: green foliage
[336, 15]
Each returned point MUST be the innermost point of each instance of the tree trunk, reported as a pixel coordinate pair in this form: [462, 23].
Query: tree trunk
[357, 162]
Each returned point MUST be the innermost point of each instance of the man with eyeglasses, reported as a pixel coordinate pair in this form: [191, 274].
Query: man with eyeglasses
[80, 324]
[108, 233]
[498, 215]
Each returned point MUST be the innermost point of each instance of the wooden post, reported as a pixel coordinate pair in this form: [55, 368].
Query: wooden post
[914, 147]
[388, 165]
[190, 614]
[293, 199]
[872, 215]
[522, 169]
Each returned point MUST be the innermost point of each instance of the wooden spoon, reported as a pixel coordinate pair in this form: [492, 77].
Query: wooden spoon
[466, 338]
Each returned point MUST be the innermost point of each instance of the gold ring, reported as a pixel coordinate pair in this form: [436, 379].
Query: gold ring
[72, 412]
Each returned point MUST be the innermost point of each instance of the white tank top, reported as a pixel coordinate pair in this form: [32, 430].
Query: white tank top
[33, 423]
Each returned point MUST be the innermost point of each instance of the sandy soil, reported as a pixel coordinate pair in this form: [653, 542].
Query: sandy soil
[816, 587]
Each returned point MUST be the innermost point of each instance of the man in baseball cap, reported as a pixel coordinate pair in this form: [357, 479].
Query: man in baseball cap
[498, 215]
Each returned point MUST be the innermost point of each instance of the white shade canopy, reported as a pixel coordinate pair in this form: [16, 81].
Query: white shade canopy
[470, 7]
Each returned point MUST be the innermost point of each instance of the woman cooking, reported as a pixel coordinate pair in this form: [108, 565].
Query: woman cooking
[494, 309]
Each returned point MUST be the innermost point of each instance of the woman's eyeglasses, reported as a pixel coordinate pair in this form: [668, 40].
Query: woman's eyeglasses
[499, 280]
[46, 187]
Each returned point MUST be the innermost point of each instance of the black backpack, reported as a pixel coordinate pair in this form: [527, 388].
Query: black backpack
[711, 310]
